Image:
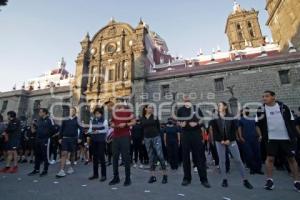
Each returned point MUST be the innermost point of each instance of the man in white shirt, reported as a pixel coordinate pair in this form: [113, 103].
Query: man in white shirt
[275, 123]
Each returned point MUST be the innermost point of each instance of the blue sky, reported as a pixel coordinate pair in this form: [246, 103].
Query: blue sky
[35, 34]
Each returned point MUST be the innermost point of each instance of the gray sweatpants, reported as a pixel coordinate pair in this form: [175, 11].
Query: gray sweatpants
[234, 150]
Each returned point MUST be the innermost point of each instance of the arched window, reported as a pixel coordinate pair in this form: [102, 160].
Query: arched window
[249, 25]
[250, 29]
[251, 33]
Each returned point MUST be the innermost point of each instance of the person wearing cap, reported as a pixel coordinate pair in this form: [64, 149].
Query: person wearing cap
[172, 143]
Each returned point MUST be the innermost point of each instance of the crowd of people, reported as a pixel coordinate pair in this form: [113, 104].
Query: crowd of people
[271, 136]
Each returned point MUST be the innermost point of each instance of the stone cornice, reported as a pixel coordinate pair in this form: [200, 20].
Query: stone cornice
[17, 93]
[225, 67]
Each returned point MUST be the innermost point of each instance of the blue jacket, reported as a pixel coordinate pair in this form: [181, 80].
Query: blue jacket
[45, 129]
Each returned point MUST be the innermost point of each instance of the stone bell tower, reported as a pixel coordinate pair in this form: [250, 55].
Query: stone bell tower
[243, 28]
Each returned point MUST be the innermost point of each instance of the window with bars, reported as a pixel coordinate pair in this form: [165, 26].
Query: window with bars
[219, 84]
[284, 76]
[165, 90]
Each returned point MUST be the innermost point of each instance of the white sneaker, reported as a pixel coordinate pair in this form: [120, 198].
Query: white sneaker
[75, 163]
[52, 162]
[134, 165]
[68, 162]
[195, 169]
[141, 166]
[70, 170]
[61, 174]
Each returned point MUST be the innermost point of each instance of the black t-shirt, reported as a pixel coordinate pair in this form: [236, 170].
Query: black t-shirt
[191, 114]
[137, 132]
[13, 130]
[151, 127]
[171, 132]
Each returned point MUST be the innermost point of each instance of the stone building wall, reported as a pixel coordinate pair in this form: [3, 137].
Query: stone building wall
[23, 102]
[250, 80]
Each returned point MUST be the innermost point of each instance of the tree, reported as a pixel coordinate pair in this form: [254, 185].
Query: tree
[3, 3]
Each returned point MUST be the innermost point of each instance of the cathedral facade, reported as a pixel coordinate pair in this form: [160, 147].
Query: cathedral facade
[114, 63]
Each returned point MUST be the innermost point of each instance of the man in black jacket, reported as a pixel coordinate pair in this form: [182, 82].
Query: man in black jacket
[69, 134]
[275, 125]
[190, 120]
[45, 129]
[13, 137]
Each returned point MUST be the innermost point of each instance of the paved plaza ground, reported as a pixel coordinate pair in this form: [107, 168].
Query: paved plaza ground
[78, 187]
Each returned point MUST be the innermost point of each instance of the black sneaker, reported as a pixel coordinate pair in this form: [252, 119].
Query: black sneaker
[115, 181]
[34, 172]
[152, 179]
[93, 177]
[165, 179]
[248, 185]
[205, 184]
[225, 183]
[127, 182]
[44, 173]
[269, 185]
[185, 182]
[297, 186]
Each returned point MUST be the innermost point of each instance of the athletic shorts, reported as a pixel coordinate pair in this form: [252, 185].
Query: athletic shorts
[69, 144]
[12, 144]
[283, 147]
